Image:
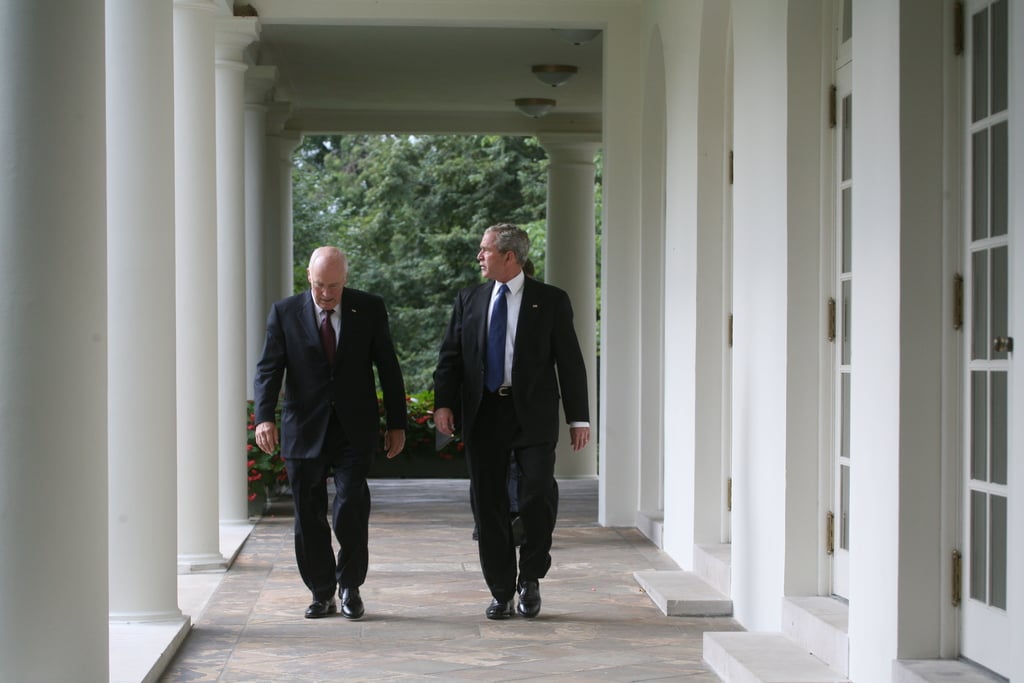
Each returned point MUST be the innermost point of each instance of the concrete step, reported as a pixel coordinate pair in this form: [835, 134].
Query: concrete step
[683, 594]
[819, 625]
[713, 563]
[941, 671]
[744, 657]
[652, 525]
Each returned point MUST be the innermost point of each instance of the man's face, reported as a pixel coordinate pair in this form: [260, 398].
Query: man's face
[327, 278]
[495, 265]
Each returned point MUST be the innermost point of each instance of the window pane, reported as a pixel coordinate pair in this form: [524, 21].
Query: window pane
[999, 180]
[847, 137]
[847, 20]
[999, 434]
[844, 507]
[997, 541]
[847, 231]
[844, 428]
[979, 425]
[999, 56]
[999, 293]
[979, 74]
[845, 340]
[979, 551]
[979, 185]
[979, 305]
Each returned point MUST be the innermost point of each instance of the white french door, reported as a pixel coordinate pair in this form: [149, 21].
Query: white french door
[985, 632]
[843, 300]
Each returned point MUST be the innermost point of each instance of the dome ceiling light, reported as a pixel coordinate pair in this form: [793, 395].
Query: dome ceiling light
[534, 107]
[554, 74]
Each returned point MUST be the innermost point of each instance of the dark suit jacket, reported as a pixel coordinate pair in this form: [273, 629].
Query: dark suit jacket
[546, 358]
[312, 389]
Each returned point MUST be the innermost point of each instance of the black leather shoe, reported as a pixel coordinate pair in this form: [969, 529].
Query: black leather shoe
[529, 599]
[499, 610]
[351, 603]
[321, 608]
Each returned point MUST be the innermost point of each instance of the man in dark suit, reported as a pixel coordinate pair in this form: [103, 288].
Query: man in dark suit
[329, 340]
[509, 352]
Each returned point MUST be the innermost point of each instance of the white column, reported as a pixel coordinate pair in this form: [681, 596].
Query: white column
[53, 344]
[140, 322]
[570, 263]
[278, 207]
[618, 423]
[195, 211]
[232, 37]
[259, 81]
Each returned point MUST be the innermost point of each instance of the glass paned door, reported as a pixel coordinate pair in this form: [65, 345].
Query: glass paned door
[843, 364]
[985, 627]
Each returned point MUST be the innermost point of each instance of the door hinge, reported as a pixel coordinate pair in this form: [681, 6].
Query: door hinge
[830, 533]
[831, 319]
[730, 167]
[958, 301]
[956, 578]
[729, 331]
[958, 28]
[728, 494]
[833, 93]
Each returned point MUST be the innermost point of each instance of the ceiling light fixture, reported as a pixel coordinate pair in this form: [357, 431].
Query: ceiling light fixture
[577, 36]
[534, 107]
[554, 74]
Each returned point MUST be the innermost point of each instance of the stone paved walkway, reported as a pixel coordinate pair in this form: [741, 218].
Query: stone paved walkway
[425, 601]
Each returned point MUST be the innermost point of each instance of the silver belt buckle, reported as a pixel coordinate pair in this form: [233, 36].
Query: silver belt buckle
[504, 391]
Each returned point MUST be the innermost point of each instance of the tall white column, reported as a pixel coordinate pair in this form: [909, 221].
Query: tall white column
[259, 80]
[195, 218]
[570, 263]
[280, 259]
[53, 343]
[232, 37]
[140, 322]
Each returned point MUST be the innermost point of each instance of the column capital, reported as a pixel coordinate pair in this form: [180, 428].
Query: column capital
[233, 35]
[259, 84]
[277, 115]
[570, 147]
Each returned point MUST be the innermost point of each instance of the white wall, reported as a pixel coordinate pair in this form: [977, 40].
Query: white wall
[680, 24]
[760, 312]
[619, 418]
[875, 389]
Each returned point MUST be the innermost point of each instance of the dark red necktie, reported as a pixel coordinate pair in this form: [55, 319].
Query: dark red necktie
[327, 337]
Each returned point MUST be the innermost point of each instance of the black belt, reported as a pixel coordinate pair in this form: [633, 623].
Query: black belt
[501, 392]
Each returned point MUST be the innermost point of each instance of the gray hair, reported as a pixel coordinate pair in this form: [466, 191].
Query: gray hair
[508, 237]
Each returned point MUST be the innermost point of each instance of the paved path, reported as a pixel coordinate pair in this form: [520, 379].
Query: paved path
[425, 601]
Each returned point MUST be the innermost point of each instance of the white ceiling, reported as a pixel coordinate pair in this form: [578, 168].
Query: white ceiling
[415, 78]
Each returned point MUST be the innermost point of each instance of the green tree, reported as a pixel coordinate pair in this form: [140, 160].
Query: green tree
[410, 211]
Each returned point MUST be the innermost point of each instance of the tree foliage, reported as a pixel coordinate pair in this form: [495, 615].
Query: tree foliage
[410, 211]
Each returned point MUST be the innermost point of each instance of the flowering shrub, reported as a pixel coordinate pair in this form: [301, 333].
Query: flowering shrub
[267, 474]
[419, 432]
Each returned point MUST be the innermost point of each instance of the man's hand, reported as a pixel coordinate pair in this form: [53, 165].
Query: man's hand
[444, 420]
[394, 442]
[579, 436]
[266, 436]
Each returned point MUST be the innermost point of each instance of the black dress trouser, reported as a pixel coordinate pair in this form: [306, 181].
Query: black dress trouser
[494, 441]
[320, 570]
